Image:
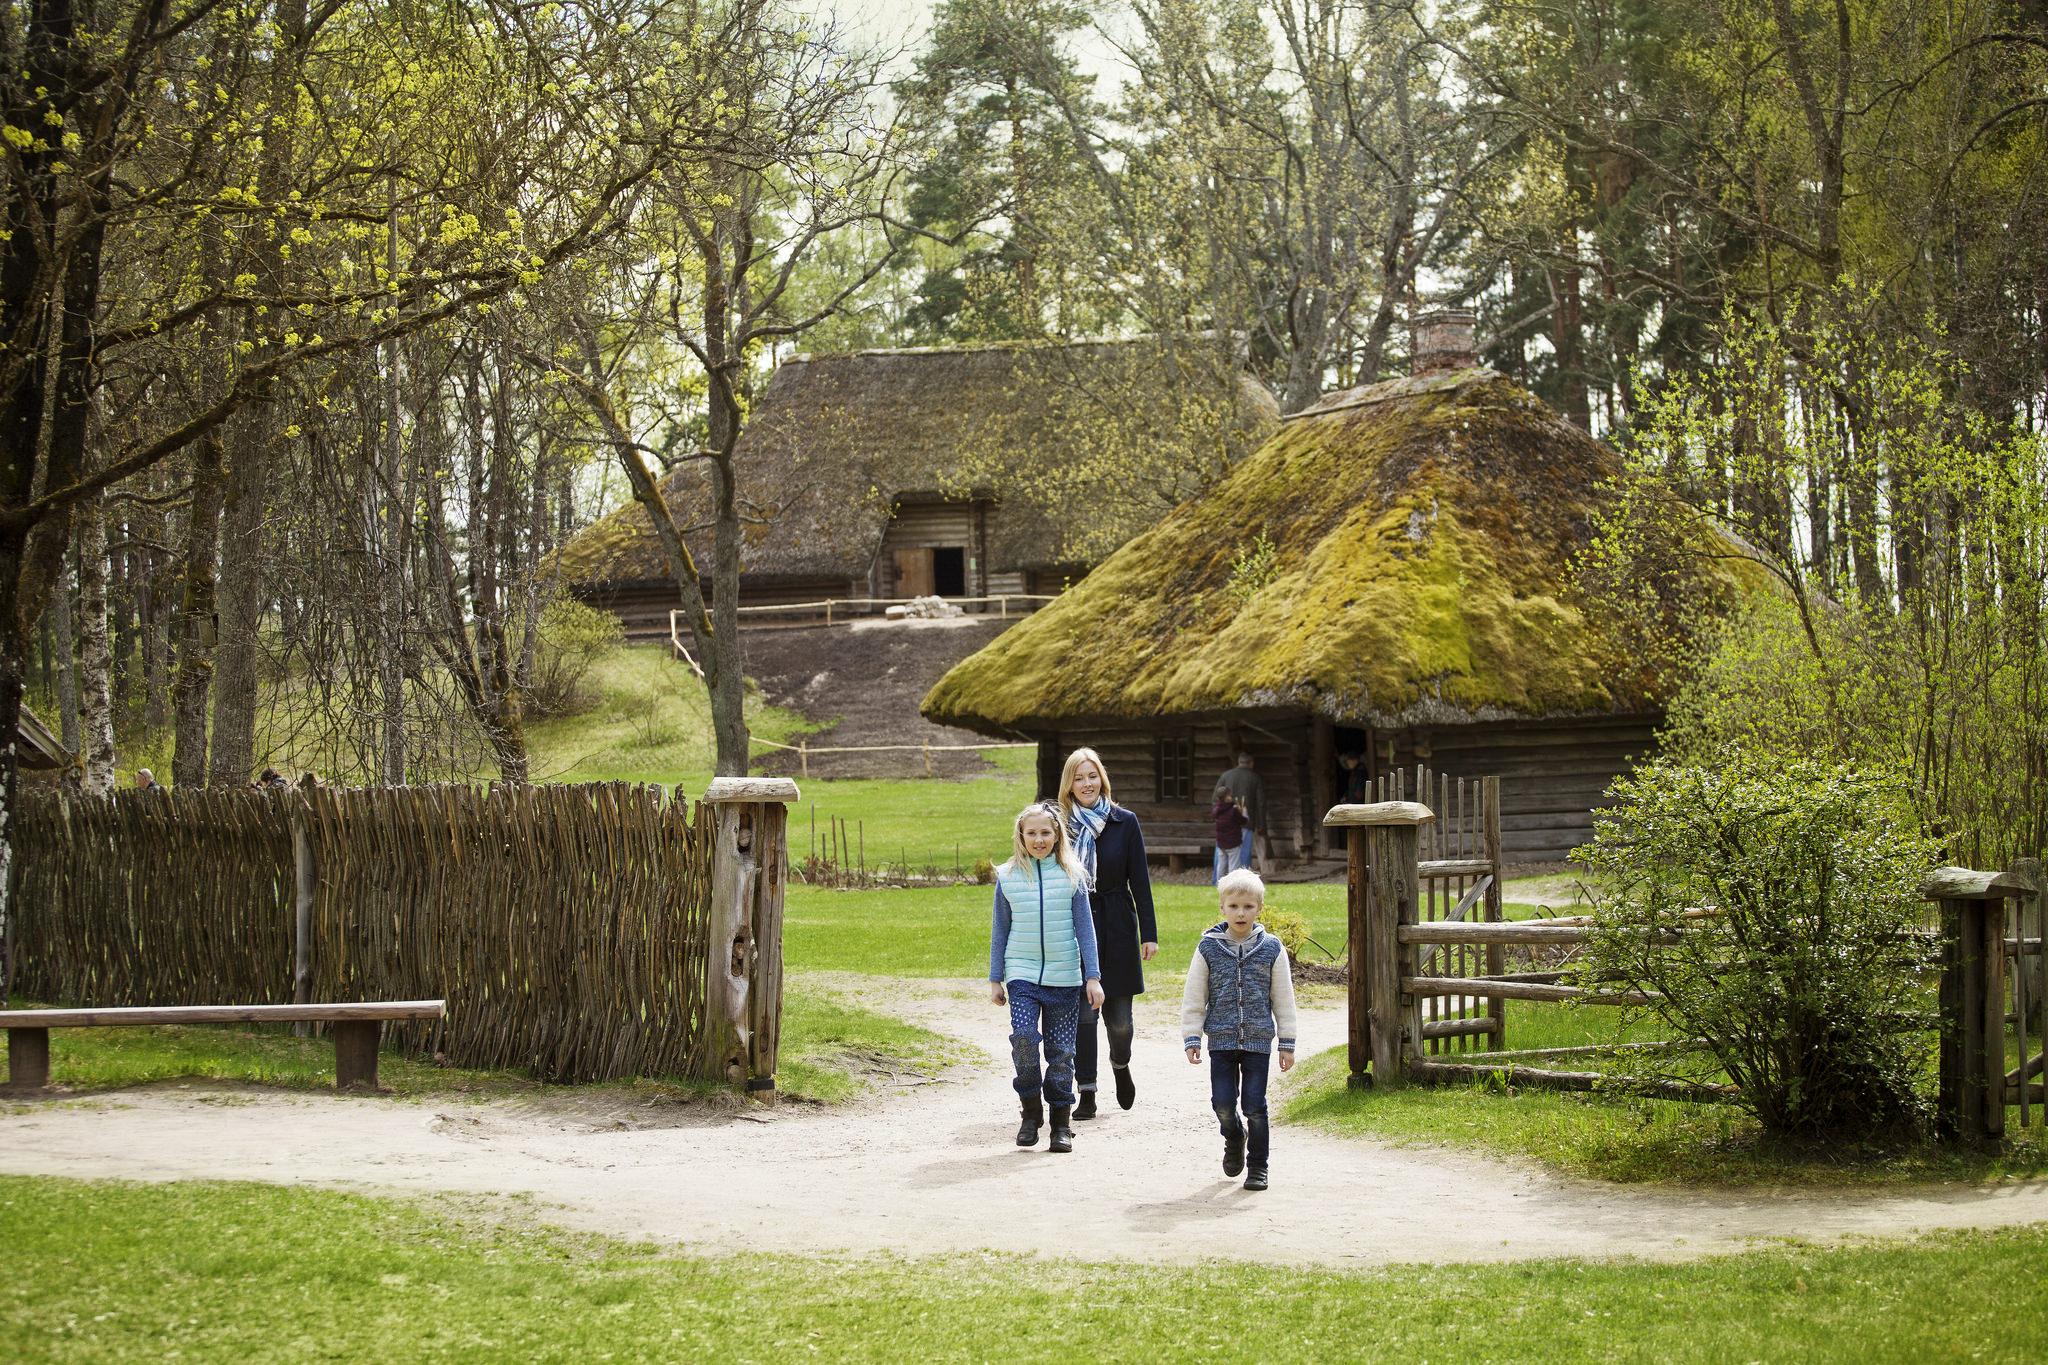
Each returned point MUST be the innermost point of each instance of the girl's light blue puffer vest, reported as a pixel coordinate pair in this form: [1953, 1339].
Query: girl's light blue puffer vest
[1042, 946]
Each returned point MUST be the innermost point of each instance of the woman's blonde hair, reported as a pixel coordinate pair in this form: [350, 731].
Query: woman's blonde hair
[1062, 850]
[1066, 791]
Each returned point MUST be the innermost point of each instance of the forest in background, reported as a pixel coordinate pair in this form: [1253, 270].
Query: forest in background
[324, 324]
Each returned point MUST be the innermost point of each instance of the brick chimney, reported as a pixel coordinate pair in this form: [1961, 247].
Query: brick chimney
[1442, 340]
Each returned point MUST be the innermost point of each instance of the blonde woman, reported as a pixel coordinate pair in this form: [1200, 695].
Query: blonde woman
[1042, 964]
[1111, 850]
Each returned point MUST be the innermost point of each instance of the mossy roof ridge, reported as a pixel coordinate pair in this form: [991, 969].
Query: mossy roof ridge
[1423, 541]
[836, 440]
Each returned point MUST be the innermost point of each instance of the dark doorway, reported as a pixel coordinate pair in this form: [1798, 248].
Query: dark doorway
[1354, 764]
[949, 571]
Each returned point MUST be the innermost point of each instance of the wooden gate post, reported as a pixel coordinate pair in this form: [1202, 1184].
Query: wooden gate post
[749, 870]
[1972, 1097]
[1382, 894]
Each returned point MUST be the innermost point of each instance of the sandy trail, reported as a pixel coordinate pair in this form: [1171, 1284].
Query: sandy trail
[930, 1168]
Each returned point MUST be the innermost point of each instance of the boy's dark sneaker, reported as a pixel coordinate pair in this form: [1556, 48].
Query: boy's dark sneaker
[1233, 1142]
[1086, 1108]
[1126, 1088]
[1062, 1135]
[1034, 1115]
[1255, 1178]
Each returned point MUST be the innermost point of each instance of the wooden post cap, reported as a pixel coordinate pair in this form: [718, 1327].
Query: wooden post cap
[777, 789]
[1967, 884]
[1381, 813]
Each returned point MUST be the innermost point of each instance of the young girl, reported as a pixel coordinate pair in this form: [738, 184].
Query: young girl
[1043, 946]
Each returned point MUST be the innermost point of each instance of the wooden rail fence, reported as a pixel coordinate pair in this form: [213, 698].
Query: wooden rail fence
[1993, 1017]
[583, 932]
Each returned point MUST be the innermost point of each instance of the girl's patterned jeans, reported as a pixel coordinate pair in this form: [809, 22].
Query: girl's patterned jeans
[1048, 1015]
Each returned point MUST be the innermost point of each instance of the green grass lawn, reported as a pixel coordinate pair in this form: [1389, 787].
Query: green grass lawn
[943, 931]
[116, 1272]
[1608, 1137]
[827, 1047]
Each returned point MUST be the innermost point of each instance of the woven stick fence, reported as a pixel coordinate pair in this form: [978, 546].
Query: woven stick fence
[157, 900]
[567, 926]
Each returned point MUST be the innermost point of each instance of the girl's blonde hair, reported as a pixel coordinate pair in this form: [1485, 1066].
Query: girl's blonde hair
[1075, 760]
[1062, 851]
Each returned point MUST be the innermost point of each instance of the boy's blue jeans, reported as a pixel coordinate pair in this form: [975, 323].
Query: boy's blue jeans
[1047, 1014]
[1233, 1073]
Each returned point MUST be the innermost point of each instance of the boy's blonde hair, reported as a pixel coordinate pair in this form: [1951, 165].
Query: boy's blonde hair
[1066, 789]
[1062, 850]
[1243, 879]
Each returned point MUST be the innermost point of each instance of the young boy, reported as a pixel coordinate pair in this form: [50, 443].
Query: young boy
[1241, 994]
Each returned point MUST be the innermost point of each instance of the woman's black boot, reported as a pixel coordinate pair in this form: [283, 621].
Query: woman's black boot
[1034, 1115]
[1126, 1088]
[1086, 1108]
[1062, 1132]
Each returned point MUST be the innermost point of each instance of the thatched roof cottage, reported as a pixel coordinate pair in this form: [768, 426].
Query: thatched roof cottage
[859, 472]
[1414, 605]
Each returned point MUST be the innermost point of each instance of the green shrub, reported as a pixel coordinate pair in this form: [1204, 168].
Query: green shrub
[573, 637]
[984, 871]
[1801, 981]
[1287, 926]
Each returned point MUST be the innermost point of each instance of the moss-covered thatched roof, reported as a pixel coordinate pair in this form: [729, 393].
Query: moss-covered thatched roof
[1422, 530]
[836, 440]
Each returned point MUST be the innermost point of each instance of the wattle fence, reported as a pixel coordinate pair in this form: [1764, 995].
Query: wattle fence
[581, 932]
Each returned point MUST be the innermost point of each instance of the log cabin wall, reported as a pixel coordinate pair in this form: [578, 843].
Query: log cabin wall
[1278, 742]
[1553, 774]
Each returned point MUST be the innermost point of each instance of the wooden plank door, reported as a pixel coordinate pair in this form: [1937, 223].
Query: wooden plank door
[913, 573]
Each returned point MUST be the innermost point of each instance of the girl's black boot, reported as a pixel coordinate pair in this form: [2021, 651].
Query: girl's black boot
[1062, 1130]
[1086, 1108]
[1034, 1115]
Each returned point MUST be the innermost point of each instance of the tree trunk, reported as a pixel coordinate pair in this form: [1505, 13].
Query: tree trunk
[13, 651]
[64, 638]
[153, 622]
[95, 659]
[197, 625]
[241, 598]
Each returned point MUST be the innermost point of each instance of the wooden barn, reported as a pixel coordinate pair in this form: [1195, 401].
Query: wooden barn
[851, 470]
[1387, 579]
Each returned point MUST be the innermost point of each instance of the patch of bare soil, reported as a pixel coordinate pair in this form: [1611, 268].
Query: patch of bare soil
[867, 679]
[931, 1168]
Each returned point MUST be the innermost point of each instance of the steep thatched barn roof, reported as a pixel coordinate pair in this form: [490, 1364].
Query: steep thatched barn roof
[1422, 532]
[836, 440]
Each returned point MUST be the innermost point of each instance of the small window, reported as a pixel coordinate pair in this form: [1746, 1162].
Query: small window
[1176, 766]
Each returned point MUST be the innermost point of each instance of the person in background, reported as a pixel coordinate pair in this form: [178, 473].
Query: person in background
[145, 781]
[1249, 792]
[1231, 824]
[1357, 777]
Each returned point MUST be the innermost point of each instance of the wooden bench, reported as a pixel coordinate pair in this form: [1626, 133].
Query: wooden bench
[356, 1028]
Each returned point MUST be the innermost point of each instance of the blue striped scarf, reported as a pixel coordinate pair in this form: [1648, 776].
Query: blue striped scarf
[1083, 826]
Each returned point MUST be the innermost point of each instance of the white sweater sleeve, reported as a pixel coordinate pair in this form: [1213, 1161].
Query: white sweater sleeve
[1194, 1001]
[1283, 1002]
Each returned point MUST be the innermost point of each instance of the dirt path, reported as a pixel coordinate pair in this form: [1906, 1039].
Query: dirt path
[930, 1168]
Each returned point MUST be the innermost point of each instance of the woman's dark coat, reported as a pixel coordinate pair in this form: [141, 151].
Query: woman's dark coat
[1122, 903]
